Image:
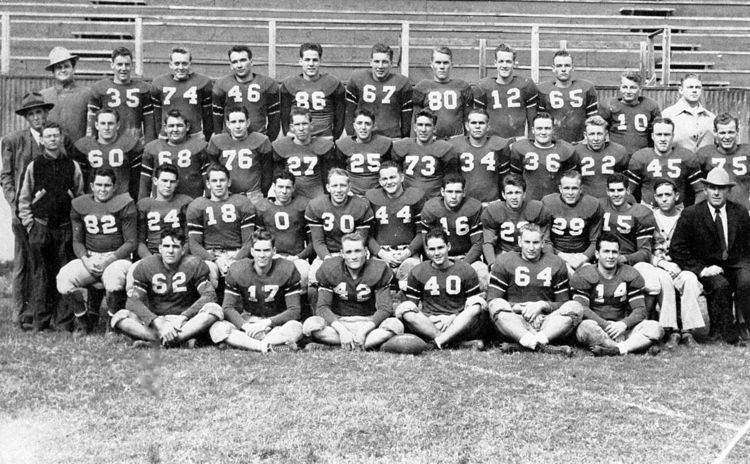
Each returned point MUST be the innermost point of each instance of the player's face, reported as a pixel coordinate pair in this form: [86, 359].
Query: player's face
[691, 90]
[180, 63]
[218, 185]
[301, 127]
[608, 254]
[504, 63]
[662, 137]
[263, 252]
[106, 126]
[531, 245]
[596, 136]
[354, 253]
[36, 118]
[717, 196]
[241, 64]
[542, 131]
[424, 128]
[391, 180]
[562, 68]
[453, 194]
[103, 188]
[237, 124]
[284, 189]
[441, 66]
[165, 184]
[477, 125]
[629, 90]
[51, 139]
[310, 63]
[666, 199]
[514, 196]
[363, 128]
[122, 67]
[338, 187]
[64, 71]
[171, 250]
[437, 250]
[176, 130]
[726, 134]
[570, 190]
[617, 192]
[381, 66]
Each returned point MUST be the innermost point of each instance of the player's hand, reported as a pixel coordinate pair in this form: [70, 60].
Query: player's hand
[389, 257]
[347, 339]
[223, 264]
[616, 329]
[532, 310]
[402, 255]
[518, 308]
[167, 332]
[670, 267]
[92, 266]
[255, 329]
[711, 271]
[361, 334]
[577, 260]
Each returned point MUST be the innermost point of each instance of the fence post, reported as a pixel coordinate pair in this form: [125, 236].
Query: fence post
[666, 55]
[5, 44]
[138, 46]
[482, 57]
[405, 48]
[645, 76]
[272, 48]
[535, 53]
[563, 45]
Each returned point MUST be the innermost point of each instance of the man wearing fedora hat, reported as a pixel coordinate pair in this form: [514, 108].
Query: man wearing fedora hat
[712, 240]
[69, 97]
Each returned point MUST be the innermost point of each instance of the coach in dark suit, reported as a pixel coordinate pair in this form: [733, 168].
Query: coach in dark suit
[712, 240]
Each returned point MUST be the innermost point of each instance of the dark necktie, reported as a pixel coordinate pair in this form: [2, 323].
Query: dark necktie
[720, 231]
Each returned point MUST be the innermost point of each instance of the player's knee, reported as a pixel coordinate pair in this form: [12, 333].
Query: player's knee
[498, 305]
[119, 316]
[393, 325]
[652, 330]
[404, 308]
[572, 310]
[476, 302]
[220, 331]
[313, 324]
[213, 309]
[64, 281]
[586, 330]
[115, 275]
[292, 330]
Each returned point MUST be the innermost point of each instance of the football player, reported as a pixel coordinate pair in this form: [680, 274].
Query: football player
[510, 100]
[529, 297]
[692, 121]
[384, 93]
[729, 155]
[569, 101]
[363, 152]
[322, 94]
[257, 93]
[597, 158]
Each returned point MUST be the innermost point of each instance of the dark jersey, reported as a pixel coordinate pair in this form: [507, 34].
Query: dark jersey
[306, 162]
[286, 223]
[170, 291]
[390, 100]
[189, 158]
[260, 96]
[462, 225]
[424, 165]
[396, 219]
[483, 167]
[245, 159]
[132, 102]
[501, 224]
[364, 295]
[103, 227]
[619, 298]
[595, 166]
[329, 222]
[542, 168]
[191, 96]
[634, 226]
[442, 291]
[123, 156]
[518, 280]
[324, 97]
[736, 163]
[223, 225]
[574, 228]
[450, 101]
[569, 107]
[680, 165]
[508, 105]
[630, 125]
[155, 216]
[362, 160]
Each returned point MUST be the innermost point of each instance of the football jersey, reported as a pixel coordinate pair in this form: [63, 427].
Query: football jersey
[190, 96]
[245, 159]
[224, 225]
[355, 296]
[170, 291]
[542, 168]
[450, 101]
[390, 100]
[189, 158]
[569, 107]
[304, 161]
[574, 228]
[286, 223]
[362, 160]
[634, 226]
[595, 166]
[518, 280]
[483, 167]
[324, 97]
[630, 125]
[507, 104]
[462, 225]
[104, 227]
[442, 291]
[260, 96]
[680, 165]
[736, 164]
[501, 224]
[123, 156]
[612, 299]
[155, 216]
[132, 102]
[396, 219]
[424, 165]
[329, 222]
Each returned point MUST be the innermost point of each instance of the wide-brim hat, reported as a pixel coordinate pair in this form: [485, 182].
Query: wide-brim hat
[58, 55]
[718, 177]
[33, 100]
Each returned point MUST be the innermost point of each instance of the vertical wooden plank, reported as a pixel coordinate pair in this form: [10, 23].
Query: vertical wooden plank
[482, 58]
[5, 44]
[666, 55]
[272, 48]
[405, 48]
[138, 49]
[645, 76]
[563, 45]
[535, 53]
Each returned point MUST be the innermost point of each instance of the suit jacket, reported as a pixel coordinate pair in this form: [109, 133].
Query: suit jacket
[695, 243]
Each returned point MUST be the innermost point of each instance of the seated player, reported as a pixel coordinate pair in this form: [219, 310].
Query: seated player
[452, 311]
[597, 158]
[172, 299]
[261, 301]
[529, 297]
[354, 308]
[363, 152]
[614, 314]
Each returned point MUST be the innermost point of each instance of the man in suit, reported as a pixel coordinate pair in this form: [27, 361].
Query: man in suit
[712, 240]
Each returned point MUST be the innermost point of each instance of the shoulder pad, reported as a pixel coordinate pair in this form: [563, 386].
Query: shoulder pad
[119, 202]
[321, 146]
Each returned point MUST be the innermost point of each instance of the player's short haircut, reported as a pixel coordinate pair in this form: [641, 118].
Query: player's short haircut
[617, 178]
[107, 111]
[381, 48]
[454, 177]
[121, 51]
[263, 234]
[661, 120]
[445, 50]
[216, 167]
[530, 227]
[726, 118]
[103, 172]
[175, 114]
[283, 173]
[176, 233]
[169, 169]
[51, 125]
[633, 76]
[505, 48]
[608, 237]
[355, 236]
[426, 113]
[596, 120]
[387, 164]
[514, 180]
[364, 112]
[659, 181]
[236, 109]
[240, 49]
[436, 232]
[337, 172]
[299, 111]
[690, 76]
[572, 174]
[541, 115]
[481, 111]
[311, 46]
[180, 49]
[560, 53]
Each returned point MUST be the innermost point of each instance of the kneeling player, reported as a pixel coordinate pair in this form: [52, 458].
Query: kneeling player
[614, 309]
[261, 300]
[172, 299]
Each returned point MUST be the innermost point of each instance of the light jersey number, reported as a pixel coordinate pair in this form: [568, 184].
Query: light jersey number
[739, 164]
[160, 285]
[131, 98]
[228, 214]
[447, 99]
[462, 225]
[153, 219]
[551, 162]
[244, 158]
[514, 99]
[673, 168]
[523, 276]
[184, 158]
[294, 163]
[346, 222]
[621, 292]
[468, 161]
[557, 99]
[269, 291]
[191, 95]
[452, 285]
[624, 223]
[369, 93]
[314, 100]
[640, 122]
[364, 292]
[588, 165]
[404, 214]
[103, 225]
[357, 162]
[508, 230]
[253, 93]
[428, 162]
[575, 226]
[281, 220]
[116, 158]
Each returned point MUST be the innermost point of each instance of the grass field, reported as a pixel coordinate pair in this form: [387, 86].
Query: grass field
[96, 400]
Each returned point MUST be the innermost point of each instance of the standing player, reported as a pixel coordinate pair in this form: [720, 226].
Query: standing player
[569, 101]
[187, 154]
[484, 159]
[510, 100]
[257, 93]
[185, 91]
[727, 154]
[630, 115]
[450, 99]
[129, 97]
[425, 159]
[387, 95]
[543, 159]
[598, 158]
[322, 94]
[363, 151]
[692, 121]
